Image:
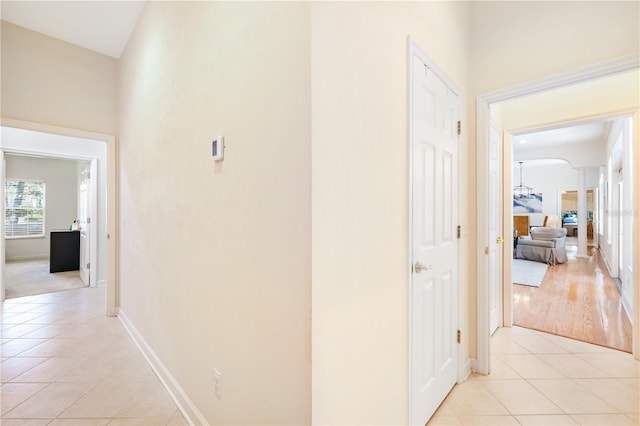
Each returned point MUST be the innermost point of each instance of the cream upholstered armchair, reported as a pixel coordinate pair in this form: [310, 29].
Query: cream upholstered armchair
[546, 244]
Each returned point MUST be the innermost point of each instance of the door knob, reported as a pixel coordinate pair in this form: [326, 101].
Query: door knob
[499, 240]
[419, 267]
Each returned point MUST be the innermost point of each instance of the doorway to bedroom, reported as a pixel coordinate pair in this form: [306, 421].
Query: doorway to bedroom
[47, 238]
[91, 157]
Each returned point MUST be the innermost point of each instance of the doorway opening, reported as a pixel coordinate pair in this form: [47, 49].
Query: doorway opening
[576, 295]
[48, 205]
[94, 178]
[601, 75]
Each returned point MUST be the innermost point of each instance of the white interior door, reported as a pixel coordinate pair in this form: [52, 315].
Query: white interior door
[495, 229]
[434, 112]
[84, 221]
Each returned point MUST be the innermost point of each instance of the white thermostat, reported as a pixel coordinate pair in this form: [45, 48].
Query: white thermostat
[217, 148]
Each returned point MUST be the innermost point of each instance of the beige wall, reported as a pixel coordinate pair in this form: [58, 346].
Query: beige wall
[215, 257]
[45, 80]
[360, 199]
[516, 42]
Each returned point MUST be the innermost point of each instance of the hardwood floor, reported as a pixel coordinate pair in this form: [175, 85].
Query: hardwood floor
[577, 299]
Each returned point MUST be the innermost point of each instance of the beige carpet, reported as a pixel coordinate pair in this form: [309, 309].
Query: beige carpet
[25, 278]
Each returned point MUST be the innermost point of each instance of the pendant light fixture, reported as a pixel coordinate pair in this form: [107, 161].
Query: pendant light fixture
[522, 191]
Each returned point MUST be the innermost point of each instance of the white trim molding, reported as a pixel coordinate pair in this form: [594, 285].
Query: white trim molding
[465, 370]
[190, 412]
[635, 178]
[589, 72]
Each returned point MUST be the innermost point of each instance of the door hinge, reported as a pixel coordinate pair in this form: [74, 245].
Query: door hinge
[459, 231]
[486, 250]
[88, 175]
[459, 127]
[88, 220]
[458, 336]
[88, 265]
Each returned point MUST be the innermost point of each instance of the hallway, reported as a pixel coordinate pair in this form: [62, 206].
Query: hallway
[64, 362]
[577, 299]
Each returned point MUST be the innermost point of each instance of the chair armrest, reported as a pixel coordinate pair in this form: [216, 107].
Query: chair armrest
[559, 242]
[537, 243]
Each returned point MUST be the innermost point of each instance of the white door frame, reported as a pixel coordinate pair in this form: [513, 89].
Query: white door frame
[93, 224]
[3, 176]
[507, 229]
[111, 209]
[502, 248]
[483, 102]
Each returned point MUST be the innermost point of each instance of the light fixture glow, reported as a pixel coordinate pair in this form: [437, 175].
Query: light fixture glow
[522, 191]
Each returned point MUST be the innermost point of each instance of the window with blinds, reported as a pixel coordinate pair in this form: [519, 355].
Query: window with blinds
[24, 209]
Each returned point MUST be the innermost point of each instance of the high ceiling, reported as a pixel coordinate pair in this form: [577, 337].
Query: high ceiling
[101, 26]
[105, 27]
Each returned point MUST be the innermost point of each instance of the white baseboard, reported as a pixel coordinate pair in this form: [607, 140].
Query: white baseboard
[627, 310]
[606, 262]
[627, 304]
[473, 364]
[192, 415]
[101, 283]
[465, 372]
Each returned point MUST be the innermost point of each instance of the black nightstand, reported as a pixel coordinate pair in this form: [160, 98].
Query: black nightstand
[65, 251]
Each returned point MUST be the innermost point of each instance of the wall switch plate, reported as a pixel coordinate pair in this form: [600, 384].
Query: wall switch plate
[217, 380]
[217, 148]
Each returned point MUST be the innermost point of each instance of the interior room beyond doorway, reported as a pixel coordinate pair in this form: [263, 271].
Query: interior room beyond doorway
[40, 140]
[581, 298]
[43, 201]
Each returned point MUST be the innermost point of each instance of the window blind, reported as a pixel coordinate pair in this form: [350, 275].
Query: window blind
[24, 208]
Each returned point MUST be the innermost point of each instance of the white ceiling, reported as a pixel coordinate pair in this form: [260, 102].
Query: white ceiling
[571, 137]
[101, 26]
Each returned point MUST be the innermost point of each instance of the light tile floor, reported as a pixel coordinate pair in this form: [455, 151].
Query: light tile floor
[542, 379]
[65, 363]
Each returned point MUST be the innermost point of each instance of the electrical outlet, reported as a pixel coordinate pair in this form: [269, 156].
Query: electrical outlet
[217, 380]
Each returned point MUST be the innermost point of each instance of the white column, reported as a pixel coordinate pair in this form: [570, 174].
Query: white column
[582, 212]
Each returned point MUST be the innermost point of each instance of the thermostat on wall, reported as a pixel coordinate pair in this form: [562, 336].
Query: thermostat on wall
[217, 148]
